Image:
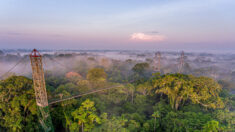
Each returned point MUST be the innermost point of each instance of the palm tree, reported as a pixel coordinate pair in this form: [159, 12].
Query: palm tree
[155, 115]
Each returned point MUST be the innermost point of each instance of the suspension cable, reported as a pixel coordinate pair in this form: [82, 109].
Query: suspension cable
[1, 77]
[25, 69]
[64, 66]
[79, 95]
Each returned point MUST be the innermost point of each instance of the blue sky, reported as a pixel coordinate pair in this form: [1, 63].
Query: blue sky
[119, 24]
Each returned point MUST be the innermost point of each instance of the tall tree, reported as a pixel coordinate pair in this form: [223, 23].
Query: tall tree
[176, 87]
[199, 90]
[85, 117]
[141, 69]
[211, 126]
[17, 104]
[155, 115]
[97, 77]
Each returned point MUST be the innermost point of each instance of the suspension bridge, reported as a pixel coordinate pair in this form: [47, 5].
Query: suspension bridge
[40, 86]
[40, 89]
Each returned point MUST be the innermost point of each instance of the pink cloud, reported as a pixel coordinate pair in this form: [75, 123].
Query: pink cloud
[147, 37]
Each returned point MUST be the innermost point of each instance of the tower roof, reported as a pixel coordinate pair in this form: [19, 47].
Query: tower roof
[35, 53]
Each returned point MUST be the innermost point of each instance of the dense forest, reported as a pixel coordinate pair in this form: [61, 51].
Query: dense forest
[145, 101]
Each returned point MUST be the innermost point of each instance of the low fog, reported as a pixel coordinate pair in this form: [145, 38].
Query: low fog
[221, 67]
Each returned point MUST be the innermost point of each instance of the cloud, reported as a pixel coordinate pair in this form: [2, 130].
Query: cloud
[147, 37]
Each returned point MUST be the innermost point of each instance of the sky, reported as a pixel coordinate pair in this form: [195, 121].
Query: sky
[118, 24]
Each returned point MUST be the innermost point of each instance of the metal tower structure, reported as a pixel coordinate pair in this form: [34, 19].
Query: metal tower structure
[40, 92]
[181, 64]
[158, 57]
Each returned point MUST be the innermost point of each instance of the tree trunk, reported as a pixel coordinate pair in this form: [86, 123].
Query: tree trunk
[82, 127]
[154, 124]
[132, 97]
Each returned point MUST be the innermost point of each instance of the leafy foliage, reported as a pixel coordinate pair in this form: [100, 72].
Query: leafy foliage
[84, 117]
[146, 102]
[18, 110]
[181, 88]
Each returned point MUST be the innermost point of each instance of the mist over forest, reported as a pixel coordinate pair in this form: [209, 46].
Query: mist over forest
[220, 67]
[178, 91]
